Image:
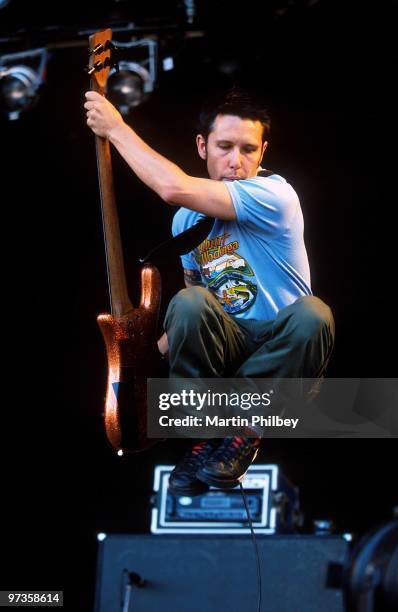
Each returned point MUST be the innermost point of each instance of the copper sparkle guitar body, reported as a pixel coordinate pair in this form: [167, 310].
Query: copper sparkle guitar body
[131, 348]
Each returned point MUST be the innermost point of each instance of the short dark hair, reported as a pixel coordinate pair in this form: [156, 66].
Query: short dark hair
[233, 102]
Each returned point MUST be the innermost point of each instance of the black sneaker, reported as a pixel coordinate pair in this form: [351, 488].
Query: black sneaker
[182, 480]
[229, 462]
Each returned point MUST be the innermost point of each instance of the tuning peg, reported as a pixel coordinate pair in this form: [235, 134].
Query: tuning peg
[111, 45]
[99, 66]
[97, 49]
[113, 63]
[91, 69]
[103, 47]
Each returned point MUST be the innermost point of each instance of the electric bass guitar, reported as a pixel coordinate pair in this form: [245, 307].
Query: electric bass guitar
[129, 333]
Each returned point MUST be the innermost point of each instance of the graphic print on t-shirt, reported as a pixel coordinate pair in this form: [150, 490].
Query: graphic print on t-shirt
[227, 273]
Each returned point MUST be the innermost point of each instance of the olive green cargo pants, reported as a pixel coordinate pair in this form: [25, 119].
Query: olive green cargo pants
[206, 342]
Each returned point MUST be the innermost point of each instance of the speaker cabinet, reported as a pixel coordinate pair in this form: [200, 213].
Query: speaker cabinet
[218, 573]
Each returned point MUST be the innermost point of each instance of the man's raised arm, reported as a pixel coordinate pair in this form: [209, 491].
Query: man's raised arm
[163, 176]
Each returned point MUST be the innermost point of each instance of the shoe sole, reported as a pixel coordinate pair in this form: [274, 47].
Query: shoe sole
[222, 484]
[189, 492]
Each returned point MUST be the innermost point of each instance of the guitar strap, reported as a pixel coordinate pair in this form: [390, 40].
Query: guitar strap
[188, 240]
[182, 243]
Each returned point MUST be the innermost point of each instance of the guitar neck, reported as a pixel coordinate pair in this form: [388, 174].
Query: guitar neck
[99, 44]
[120, 302]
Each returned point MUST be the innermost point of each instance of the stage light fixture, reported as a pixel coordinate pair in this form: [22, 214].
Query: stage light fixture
[134, 79]
[21, 77]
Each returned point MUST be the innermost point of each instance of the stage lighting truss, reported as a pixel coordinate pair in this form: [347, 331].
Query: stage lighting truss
[21, 77]
[134, 78]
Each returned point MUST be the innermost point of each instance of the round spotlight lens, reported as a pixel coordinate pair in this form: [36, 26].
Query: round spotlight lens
[18, 90]
[14, 93]
[126, 90]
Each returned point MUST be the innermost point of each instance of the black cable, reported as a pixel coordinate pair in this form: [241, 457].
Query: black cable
[259, 586]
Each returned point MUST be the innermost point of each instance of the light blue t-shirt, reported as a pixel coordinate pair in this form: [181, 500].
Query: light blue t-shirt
[256, 264]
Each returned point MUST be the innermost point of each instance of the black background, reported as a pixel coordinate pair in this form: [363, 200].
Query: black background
[326, 70]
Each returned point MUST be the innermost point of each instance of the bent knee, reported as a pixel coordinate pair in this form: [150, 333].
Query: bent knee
[189, 302]
[313, 316]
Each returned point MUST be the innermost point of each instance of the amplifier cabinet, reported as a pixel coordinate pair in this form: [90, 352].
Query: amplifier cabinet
[215, 573]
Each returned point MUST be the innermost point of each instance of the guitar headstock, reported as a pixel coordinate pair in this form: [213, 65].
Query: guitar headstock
[100, 59]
